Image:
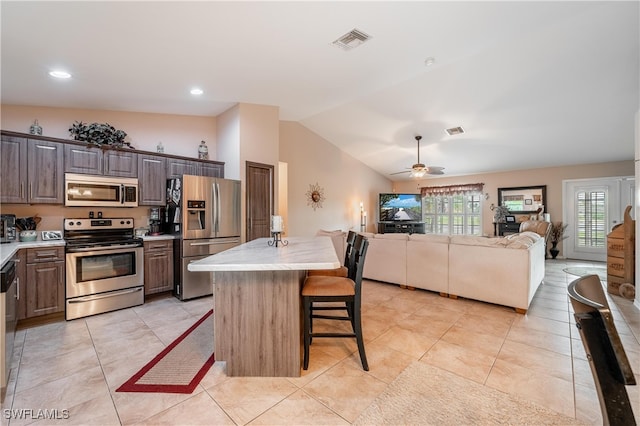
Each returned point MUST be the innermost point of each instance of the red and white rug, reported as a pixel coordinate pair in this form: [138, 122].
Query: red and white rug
[181, 365]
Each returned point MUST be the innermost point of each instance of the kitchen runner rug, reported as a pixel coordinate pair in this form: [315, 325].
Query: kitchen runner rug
[581, 271]
[181, 365]
[427, 395]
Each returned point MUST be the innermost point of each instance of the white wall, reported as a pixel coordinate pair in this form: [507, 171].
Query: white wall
[345, 181]
[180, 134]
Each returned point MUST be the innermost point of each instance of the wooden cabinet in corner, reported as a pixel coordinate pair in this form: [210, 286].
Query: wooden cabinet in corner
[158, 266]
[32, 171]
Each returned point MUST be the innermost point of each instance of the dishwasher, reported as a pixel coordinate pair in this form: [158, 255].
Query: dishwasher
[8, 300]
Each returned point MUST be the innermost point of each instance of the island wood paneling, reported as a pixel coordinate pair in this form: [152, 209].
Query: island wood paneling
[257, 322]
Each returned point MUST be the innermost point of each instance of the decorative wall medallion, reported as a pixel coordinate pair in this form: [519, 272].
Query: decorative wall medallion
[315, 196]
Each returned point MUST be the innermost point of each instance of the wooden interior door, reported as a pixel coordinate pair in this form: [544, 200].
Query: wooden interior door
[259, 202]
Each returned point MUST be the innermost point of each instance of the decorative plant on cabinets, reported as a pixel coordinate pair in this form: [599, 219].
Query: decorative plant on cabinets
[557, 235]
[102, 135]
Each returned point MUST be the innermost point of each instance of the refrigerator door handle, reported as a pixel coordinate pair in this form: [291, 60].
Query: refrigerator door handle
[214, 213]
[218, 208]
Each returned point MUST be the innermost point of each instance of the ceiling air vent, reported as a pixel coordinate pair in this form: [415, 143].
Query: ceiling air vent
[455, 131]
[353, 38]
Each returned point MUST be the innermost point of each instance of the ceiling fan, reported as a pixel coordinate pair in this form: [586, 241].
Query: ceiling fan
[418, 170]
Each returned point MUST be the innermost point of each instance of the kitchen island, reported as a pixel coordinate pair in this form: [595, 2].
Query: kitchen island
[257, 305]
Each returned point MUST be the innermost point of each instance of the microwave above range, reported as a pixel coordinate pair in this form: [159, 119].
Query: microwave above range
[100, 191]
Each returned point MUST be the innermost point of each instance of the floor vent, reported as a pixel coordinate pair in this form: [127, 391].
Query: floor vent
[352, 39]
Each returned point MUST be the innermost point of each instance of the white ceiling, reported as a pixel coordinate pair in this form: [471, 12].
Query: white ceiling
[533, 84]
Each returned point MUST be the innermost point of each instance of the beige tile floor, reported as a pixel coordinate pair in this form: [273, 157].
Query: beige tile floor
[74, 367]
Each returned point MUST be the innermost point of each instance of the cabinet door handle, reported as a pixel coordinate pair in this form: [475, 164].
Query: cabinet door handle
[30, 189]
[21, 189]
[18, 289]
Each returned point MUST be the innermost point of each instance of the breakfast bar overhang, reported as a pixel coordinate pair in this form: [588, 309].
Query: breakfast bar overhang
[257, 305]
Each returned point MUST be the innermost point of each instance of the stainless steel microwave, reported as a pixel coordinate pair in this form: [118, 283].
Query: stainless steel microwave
[100, 191]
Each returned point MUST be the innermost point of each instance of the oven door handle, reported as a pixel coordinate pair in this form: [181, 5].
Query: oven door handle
[124, 246]
[213, 243]
[104, 296]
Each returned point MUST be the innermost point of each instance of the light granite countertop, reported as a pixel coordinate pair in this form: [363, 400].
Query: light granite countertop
[301, 253]
[7, 250]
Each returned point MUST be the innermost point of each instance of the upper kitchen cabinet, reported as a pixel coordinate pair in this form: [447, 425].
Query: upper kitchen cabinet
[120, 163]
[13, 170]
[152, 180]
[84, 160]
[32, 171]
[96, 161]
[211, 170]
[177, 167]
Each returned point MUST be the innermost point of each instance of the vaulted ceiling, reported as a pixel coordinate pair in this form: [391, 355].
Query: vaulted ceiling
[533, 84]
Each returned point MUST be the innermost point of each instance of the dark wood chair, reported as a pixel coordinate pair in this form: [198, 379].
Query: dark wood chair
[342, 271]
[608, 361]
[347, 291]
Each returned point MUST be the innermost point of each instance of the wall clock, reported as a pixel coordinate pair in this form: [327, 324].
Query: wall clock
[315, 196]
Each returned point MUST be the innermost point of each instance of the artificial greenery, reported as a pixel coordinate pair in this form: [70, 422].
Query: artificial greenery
[557, 232]
[99, 134]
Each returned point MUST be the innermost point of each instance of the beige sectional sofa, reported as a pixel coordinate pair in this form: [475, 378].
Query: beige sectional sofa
[505, 271]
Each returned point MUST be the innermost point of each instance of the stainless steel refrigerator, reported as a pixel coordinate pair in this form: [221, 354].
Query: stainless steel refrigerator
[205, 213]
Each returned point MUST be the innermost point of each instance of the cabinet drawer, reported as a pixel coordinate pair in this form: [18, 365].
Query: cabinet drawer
[615, 247]
[45, 254]
[615, 266]
[158, 245]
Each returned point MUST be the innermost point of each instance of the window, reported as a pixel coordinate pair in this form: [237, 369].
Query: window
[591, 228]
[452, 210]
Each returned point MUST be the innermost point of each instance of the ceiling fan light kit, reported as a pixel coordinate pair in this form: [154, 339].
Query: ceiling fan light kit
[418, 170]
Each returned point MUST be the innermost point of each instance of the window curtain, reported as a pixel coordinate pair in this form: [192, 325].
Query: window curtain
[451, 189]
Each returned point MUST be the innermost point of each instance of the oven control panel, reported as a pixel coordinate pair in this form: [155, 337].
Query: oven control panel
[86, 224]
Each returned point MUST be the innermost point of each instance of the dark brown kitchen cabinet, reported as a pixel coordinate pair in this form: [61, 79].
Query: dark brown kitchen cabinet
[45, 169]
[84, 160]
[21, 273]
[32, 171]
[211, 170]
[177, 167]
[152, 180]
[120, 163]
[45, 286]
[158, 266]
[93, 160]
[13, 170]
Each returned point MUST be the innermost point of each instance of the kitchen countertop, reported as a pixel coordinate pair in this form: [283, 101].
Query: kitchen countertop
[302, 253]
[7, 250]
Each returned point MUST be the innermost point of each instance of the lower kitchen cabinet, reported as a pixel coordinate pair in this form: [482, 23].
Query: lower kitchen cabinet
[45, 283]
[21, 272]
[158, 266]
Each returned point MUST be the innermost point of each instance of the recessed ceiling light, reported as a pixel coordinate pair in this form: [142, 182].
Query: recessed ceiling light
[429, 61]
[455, 131]
[59, 74]
[196, 91]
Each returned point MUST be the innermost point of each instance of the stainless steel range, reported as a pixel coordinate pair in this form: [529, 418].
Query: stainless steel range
[104, 266]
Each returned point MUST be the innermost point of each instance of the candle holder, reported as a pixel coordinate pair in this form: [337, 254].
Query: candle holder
[277, 238]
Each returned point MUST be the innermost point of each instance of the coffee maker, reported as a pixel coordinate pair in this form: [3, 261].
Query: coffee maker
[156, 218]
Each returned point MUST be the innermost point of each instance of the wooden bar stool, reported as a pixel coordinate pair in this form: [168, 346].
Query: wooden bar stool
[347, 290]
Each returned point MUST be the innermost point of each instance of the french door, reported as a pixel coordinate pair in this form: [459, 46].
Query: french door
[592, 207]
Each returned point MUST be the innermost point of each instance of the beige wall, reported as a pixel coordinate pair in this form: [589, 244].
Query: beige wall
[345, 180]
[552, 177]
[180, 134]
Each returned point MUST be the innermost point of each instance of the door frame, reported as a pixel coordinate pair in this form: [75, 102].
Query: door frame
[248, 200]
[618, 189]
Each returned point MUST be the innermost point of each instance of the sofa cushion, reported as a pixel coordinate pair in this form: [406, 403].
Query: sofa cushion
[469, 240]
[403, 237]
[430, 238]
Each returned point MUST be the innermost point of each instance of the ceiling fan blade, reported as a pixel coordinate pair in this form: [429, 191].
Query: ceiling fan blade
[397, 173]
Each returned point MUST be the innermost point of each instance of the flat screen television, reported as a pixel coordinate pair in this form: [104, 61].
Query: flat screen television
[398, 207]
